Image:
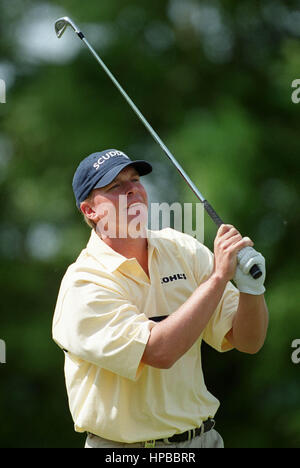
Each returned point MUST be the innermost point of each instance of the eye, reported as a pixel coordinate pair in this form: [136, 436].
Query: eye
[113, 187]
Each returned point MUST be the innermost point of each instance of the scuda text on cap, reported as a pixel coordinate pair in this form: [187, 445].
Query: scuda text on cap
[107, 156]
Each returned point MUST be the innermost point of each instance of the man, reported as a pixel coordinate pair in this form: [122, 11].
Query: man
[133, 309]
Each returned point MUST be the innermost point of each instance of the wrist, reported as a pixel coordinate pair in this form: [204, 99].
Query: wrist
[253, 291]
[218, 280]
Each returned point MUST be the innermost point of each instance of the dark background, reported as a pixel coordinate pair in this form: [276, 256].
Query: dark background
[214, 79]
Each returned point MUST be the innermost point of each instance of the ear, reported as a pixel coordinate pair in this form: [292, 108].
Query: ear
[87, 210]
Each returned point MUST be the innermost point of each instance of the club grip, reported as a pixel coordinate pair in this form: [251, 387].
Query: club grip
[255, 271]
[214, 216]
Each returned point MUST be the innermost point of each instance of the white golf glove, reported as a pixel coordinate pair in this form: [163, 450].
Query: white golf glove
[248, 257]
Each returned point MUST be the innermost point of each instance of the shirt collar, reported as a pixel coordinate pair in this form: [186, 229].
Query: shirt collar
[106, 255]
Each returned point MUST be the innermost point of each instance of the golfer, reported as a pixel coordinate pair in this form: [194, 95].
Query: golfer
[133, 310]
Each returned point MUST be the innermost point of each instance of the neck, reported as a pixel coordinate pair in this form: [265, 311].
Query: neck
[129, 247]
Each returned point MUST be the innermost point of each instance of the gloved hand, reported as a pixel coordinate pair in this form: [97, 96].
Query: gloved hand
[243, 280]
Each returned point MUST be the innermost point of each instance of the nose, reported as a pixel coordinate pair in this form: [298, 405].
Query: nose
[130, 188]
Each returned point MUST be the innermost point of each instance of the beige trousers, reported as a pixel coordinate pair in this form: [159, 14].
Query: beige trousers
[211, 439]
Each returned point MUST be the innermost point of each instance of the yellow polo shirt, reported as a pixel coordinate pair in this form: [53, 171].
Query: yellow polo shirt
[103, 321]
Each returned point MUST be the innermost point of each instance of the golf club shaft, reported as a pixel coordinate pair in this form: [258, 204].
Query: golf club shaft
[255, 270]
[146, 123]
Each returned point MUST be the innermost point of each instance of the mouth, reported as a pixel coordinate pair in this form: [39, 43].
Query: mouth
[137, 209]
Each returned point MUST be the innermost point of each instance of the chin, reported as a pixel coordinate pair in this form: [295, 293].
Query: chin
[137, 229]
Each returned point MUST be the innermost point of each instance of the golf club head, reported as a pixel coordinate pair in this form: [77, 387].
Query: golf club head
[61, 25]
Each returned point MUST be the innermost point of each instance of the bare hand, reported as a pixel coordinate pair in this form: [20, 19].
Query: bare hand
[228, 243]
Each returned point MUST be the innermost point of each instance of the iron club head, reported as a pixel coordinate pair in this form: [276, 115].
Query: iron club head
[61, 25]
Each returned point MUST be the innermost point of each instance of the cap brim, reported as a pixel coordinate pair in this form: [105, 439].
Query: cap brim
[142, 167]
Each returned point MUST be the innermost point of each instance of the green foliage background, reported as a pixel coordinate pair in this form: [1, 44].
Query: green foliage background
[214, 79]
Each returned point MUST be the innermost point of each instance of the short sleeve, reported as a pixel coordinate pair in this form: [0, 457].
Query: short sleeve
[221, 321]
[203, 262]
[99, 325]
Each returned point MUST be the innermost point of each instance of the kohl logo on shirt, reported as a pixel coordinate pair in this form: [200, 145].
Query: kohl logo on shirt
[168, 279]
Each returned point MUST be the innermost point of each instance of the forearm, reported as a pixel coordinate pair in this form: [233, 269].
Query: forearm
[172, 338]
[250, 324]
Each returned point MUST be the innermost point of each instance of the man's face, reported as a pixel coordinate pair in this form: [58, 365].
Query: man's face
[121, 207]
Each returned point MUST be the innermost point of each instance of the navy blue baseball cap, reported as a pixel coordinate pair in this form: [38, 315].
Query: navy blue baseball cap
[99, 169]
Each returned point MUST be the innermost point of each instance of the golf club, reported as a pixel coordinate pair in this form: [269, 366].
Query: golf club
[60, 27]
